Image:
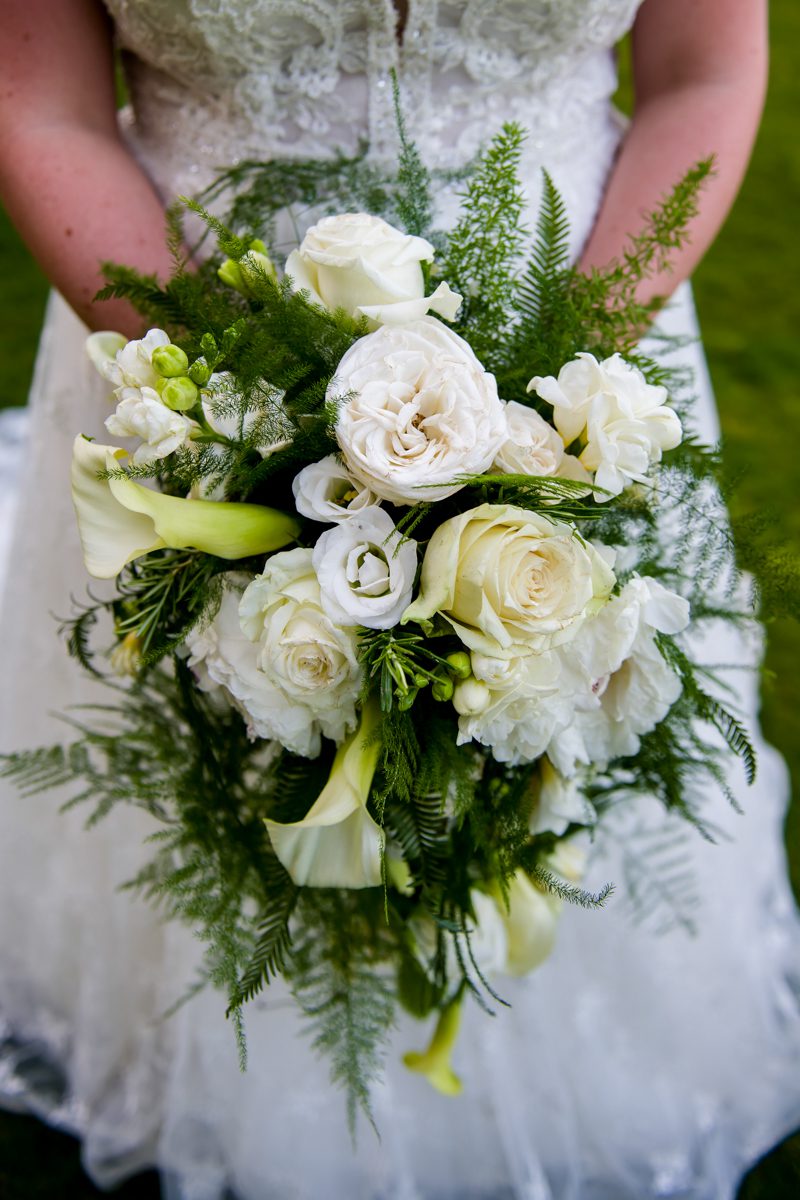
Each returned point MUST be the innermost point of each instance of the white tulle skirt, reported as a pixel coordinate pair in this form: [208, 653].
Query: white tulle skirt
[634, 1063]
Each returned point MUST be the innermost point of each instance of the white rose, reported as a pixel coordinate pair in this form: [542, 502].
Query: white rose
[365, 570]
[422, 412]
[623, 420]
[225, 660]
[509, 581]
[140, 413]
[534, 447]
[559, 803]
[223, 410]
[521, 704]
[367, 267]
[628, 687]
[311, 662]
[326, 491]
[127, 364]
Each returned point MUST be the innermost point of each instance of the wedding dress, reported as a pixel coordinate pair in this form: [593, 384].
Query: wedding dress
[635, 1063]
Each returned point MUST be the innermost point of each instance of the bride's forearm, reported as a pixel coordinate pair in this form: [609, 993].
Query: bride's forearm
[75, 193]
[699, 79]
[79, 199]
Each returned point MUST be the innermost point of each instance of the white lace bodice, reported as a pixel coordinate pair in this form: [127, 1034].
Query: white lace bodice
[215, 81]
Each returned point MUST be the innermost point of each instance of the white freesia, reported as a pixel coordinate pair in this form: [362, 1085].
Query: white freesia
[364, 265]
[306, 656]
[628, 686]
[623, 421]
[417, 410]
[120, 520]
[517, 705]
[141, 413]
[559, 802]
[366, 570]
[337, 843]
[124, 363]
[510, 581]
[534, 447]
[326, 491]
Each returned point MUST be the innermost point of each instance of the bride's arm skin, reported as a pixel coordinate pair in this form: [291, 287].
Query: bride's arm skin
[78, 197]
[699, 69]
[67, 180]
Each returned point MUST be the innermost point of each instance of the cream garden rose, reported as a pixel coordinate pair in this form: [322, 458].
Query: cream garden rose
[364, 265]
[311, 661]
[509, 581]
[622, 420]
[628, 688]
[513, 706]
[533, 447]
[417, 410]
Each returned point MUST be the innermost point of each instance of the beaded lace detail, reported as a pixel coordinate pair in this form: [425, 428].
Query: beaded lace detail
[214, 81]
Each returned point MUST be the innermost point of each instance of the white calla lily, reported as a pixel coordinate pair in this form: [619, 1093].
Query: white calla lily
[531, 920]
[337, 843]
[120, 520]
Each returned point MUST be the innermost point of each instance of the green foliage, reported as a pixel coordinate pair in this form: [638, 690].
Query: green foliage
[660, 884]
[413, 204]
[337, 976]
[483, 248]
[164, 595]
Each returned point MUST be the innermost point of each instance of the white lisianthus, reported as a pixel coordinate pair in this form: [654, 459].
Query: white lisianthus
[124, 363]
[534, 447]
[417, 411]
[306, 656]
[628, 687]
[367, 267]
[513, 706]
[365, 570]
[326, 491]
[222, 409]
[338, 844]
[559, 802]
[140, 413]
[623, 421]
[509, 581]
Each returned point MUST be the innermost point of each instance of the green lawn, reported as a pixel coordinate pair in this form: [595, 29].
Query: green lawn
[749, 301]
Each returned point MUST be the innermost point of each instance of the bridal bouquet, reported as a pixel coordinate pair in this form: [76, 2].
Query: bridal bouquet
[387, 540]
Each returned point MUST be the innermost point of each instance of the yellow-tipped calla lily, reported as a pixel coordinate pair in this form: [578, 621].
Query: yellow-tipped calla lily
[119, 520]
[337, 844]
[434, 1063]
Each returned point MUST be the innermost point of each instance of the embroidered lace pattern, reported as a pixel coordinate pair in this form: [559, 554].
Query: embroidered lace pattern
[215, 81]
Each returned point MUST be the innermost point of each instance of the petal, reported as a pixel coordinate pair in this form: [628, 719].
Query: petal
[119, 520]
[337, 843]
[111, 535]
[102, 349]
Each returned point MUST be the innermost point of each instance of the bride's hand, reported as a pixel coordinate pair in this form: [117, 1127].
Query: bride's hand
[67, 180]
[699, 70]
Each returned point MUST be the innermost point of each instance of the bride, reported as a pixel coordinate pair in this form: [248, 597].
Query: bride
[631, 1065]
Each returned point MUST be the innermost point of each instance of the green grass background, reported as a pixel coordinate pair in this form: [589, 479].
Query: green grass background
[748, 296]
